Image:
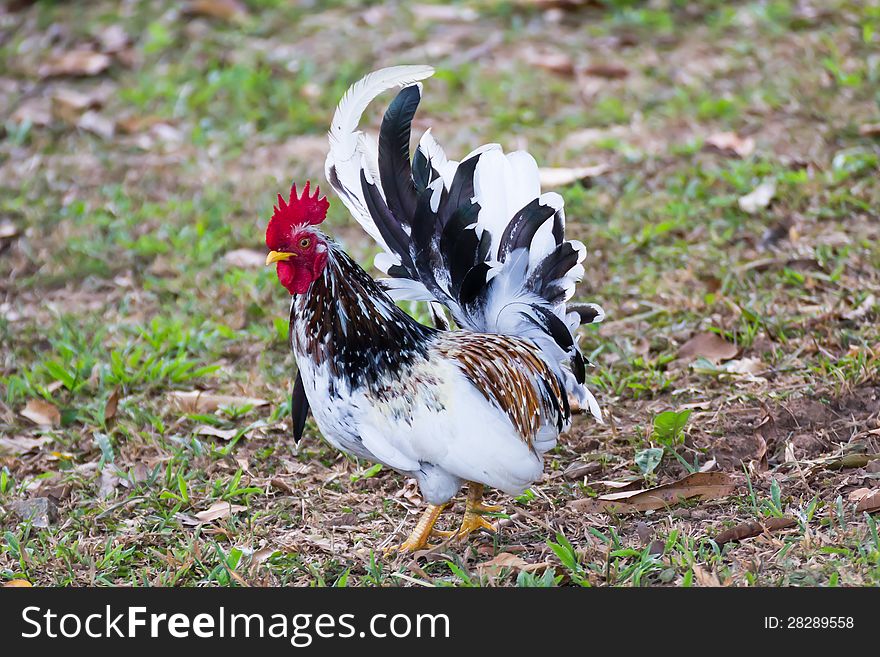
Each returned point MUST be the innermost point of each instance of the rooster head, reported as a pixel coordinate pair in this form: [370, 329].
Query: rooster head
[295, 243]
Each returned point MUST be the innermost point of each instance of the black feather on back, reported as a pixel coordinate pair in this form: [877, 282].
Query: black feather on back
[556, 328]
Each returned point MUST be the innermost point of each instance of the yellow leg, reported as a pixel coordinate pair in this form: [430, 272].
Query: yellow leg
[473, 512]
[418, 540]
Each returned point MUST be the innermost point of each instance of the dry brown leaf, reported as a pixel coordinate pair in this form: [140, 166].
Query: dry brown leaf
[705, 577]
[8, 230]
[494, 566]
[562, 176]
[410, 492]
[132, 124]
[113, 38]
[112, 405]
[22, 445]
[97, 124]
[444, 13]
[759, 198]
[68, 105]
[79, 63]
[858, 494]
[708, 345]
[751, 529]
[607, 70]
[218, 510]
[43, 413]
[246, 258]
[731, 143]
[869, 503]
[196, 401]
[870, 130]
[580, 469]
[700, 485]
[751, 366]
[17, 583]
[226, 10]
[549, 59]
[223, 434]
[264, 554]
[36, 111]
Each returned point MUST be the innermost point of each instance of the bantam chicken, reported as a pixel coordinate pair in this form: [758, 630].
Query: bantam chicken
[480, 404]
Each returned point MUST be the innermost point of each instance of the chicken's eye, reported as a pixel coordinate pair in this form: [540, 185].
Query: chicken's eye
[305, 243]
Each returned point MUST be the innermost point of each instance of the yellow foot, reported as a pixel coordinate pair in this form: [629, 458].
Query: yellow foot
[474, 521]
[418, 540]
[473, 513]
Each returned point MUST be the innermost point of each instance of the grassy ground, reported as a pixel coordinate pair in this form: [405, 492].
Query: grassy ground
[130, 214]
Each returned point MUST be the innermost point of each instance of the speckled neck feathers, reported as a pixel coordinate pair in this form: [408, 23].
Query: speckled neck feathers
[347, 323]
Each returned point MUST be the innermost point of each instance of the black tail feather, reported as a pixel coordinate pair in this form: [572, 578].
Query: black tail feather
[395, 170]
[522, 228]
[299, 408]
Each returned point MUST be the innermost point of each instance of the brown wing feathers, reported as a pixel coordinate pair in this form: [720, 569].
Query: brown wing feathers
[509, 374]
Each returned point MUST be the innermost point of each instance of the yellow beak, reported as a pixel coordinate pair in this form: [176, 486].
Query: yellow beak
[275, 256]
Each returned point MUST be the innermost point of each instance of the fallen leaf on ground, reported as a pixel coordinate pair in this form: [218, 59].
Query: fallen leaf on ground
[41, 511]
[208, 430]
[752, 529]
[79, 63]
[113, 38]
[580, 469]
[549, 59]
[246, 258]
[68, 105]
[97, 124]
[36, 111]
[410, 492]
[501, 561]
[561, 176]
[22, 445]
[444, 13]
[705, 577]
[759, 198]
[131, 124]
[226, 10]
[607, 70]
[858, 494]
[869, 503]
[730, 143]
[219, 510]
[17, 583]
[708, 345]
[196, 401]
[112, 405]
[750, 366]
[870, 130]
[863, 308]
[699, 485]
[43, 413]
[8, 230]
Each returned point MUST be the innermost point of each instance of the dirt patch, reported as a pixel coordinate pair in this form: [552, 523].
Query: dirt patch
[813, 426]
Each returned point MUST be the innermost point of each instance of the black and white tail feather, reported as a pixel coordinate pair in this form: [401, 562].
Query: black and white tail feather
[476, 236]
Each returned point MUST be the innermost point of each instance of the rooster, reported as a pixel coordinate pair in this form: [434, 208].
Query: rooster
[480, 404]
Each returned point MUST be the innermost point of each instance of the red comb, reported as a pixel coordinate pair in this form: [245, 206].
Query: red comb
[296, 211]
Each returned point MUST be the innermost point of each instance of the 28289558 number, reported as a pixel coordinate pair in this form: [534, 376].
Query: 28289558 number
[809, 622]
